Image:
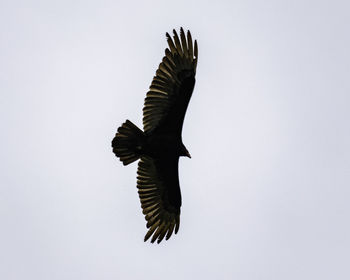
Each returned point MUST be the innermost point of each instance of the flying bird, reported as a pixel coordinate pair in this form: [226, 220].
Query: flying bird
[159, 145]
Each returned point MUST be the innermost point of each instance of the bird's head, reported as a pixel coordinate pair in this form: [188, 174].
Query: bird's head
[184, 151]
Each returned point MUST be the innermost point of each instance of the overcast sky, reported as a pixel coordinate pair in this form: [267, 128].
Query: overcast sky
[266, 193]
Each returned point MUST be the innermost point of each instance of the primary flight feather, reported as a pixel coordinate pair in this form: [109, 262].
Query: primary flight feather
[160, 145]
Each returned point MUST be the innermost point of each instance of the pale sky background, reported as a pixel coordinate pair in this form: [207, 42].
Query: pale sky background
[266, 193]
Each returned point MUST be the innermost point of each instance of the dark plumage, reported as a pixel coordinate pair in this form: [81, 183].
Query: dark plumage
[160, 145]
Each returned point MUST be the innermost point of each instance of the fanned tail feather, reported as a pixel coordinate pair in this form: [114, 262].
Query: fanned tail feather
[128, 143]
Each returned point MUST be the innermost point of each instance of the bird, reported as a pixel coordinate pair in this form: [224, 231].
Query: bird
[160, 145]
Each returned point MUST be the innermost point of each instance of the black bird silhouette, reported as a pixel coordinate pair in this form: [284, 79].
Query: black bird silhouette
[160, 145]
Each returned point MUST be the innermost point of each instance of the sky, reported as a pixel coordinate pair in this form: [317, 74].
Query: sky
[266, 193]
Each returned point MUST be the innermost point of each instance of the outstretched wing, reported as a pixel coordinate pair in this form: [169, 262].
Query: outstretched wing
[159, 192]
[171, 89]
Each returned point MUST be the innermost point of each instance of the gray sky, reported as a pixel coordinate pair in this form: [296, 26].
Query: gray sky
[266, 193]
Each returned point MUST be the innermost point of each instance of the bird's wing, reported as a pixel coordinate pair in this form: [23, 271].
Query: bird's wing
[159, 192]
[171, 89]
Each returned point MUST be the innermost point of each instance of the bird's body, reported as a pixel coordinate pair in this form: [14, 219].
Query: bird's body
[163, 145]
[160, 145]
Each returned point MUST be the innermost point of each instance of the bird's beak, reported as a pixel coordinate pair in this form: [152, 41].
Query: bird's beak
[188, 154]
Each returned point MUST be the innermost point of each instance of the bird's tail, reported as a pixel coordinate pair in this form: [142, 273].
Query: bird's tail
[128, 142]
